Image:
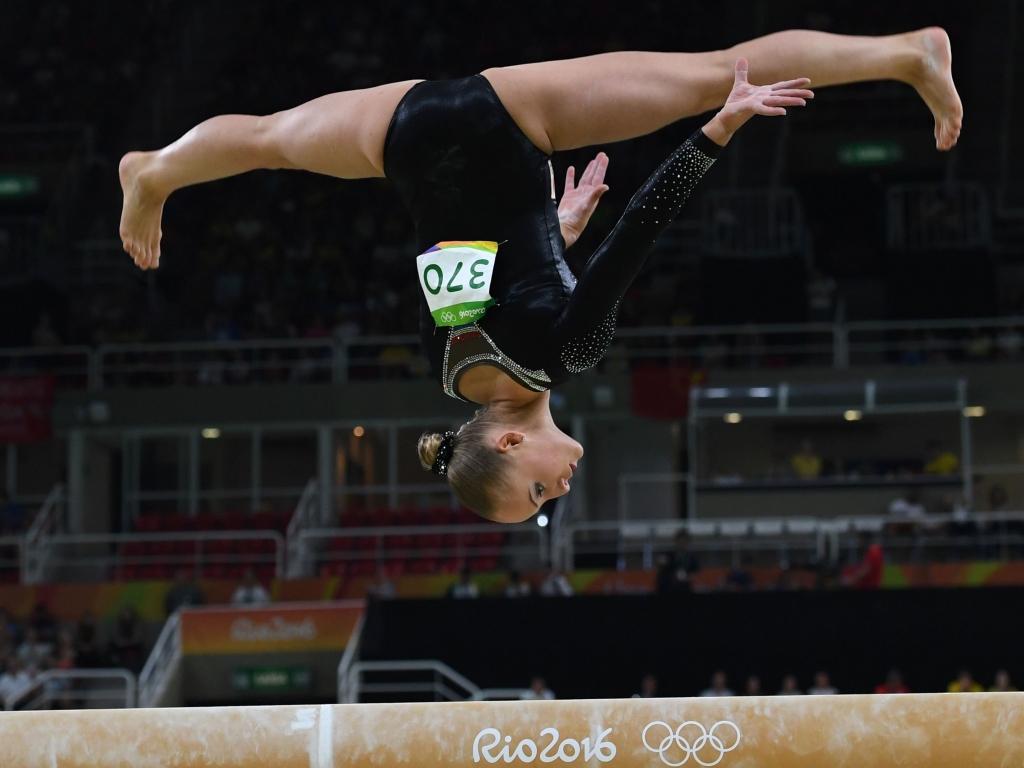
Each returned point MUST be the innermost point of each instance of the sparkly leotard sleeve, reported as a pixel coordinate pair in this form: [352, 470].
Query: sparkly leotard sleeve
[586, 326]
[467, 172]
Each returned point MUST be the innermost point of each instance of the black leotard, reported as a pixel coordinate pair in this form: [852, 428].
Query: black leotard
[466, 171]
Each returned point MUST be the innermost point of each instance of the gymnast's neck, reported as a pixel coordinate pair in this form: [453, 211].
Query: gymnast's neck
[487, 385]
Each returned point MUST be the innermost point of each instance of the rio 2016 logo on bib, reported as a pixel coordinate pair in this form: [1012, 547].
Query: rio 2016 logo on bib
[456, 280]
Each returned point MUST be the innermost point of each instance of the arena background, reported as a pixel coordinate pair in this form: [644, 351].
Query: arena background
[824, 355]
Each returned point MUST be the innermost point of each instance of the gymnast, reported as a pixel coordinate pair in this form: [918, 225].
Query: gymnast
[502, 318]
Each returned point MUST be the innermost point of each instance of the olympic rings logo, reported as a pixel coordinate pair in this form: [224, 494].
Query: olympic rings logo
[447, 317]
[707, 738]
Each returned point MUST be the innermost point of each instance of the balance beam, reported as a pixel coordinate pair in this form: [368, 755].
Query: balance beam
[910, 731]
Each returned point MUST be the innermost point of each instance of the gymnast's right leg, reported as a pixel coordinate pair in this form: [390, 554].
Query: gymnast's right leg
[340, 135]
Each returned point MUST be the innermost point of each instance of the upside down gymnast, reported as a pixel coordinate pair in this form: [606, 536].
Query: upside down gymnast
[470, 159]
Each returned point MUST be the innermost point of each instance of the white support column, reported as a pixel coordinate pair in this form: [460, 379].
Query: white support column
[256, 460]
[393, 466]
[325, 471]
[11, 481]
[76, 481]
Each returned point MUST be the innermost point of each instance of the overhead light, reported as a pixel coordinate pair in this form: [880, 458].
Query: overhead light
[853, 415]
[732, 418]
[542, 520]
[358, 431]
[211, 433]
[974, 411]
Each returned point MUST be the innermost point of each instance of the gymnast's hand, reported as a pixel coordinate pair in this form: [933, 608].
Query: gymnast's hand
[579, 202]
[747, 100]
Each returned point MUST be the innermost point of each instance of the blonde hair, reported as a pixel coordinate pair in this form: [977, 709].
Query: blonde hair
[477, 471]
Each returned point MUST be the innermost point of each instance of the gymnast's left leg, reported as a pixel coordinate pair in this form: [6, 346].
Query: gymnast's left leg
[615, 96]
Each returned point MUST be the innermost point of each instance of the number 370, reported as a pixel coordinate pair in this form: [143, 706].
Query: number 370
[475, 279]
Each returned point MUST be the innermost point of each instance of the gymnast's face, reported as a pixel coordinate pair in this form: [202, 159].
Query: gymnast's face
[542, 463]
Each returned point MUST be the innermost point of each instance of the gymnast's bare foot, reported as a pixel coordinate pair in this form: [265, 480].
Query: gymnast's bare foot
[141, 212]
[934, 83]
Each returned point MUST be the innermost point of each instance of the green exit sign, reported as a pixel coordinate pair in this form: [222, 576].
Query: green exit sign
[262, 679]
[870, 153]
[18, 185]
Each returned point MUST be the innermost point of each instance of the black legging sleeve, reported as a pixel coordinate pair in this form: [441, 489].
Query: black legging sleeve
[585, 329]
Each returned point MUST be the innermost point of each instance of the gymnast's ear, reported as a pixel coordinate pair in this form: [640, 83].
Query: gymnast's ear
[509, 440]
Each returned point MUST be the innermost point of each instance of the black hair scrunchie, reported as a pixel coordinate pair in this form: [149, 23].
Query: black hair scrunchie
[444, 454]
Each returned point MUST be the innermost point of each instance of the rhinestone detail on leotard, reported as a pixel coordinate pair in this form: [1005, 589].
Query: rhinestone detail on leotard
[586, 351]
[535, 380]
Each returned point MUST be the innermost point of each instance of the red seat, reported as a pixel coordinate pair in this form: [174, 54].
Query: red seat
[490, 539]
[283, 519]
[176, 522]
[448, 565]
[467, 516]
[184, 547]
[362, 568]
[235, 571]
[250, 546]
[160, 548]
[214, 571]
[382, 516]
[430, 541]
[353, 518]
[441, 515]
[481, 564]
[220, 547]
[332, 569]
[130, 573]
[236, 520]
[266, 573]
[411, 516]
[207, 521]
[263, 521]
[340, 544]
[147, 523]
[425, 565]
[396, 567]
[154, 572]
[133, 548]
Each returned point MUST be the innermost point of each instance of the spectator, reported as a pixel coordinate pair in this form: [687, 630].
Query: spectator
[676, 574]
[44, 335]
[7, 641]
[87, 644]
[250, 591]
[43, 622]
[753, 686]
[65, 660]
[718, 687]
[789, 687]
[516, 587]
[12, 517]
[383, 588]
[868, 574]
[940, 461]
[964, 683]
[648, 688]
[464, 588]
[893, 683]
[8, 624]
[125, 648]
[556, 585]
[1002, 683]
[908, 506]
[806, 464]
[33, 653]
[13, 679]
[182, 593]
[822, 686]
[538, 691]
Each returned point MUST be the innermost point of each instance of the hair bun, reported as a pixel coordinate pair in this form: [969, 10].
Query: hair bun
[428, 446]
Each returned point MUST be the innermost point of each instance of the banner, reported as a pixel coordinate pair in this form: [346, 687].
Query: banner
[270, 629]
[25, 404]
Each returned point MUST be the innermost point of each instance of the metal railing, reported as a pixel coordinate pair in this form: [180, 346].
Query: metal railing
[100, 556]
[306, 515]
[353, 648]
[788, 539]
[822, 344]
[440, 682]
[48, 521]
[76, 689]
[381, 544]
[162, 664]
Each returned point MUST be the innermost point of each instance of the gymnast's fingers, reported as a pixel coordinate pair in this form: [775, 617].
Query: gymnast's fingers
[802, 93]
[570, 178]
[798, 83]
[588, 173]
[741, 70]
[775, 101]
[600, 169]
[764, 109]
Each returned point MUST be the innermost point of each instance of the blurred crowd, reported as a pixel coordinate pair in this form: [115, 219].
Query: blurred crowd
[42, 643]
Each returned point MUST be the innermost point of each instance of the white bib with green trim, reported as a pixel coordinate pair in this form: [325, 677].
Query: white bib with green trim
[456, 280]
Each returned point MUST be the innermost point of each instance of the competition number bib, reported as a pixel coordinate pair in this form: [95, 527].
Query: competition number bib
[456, 280]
